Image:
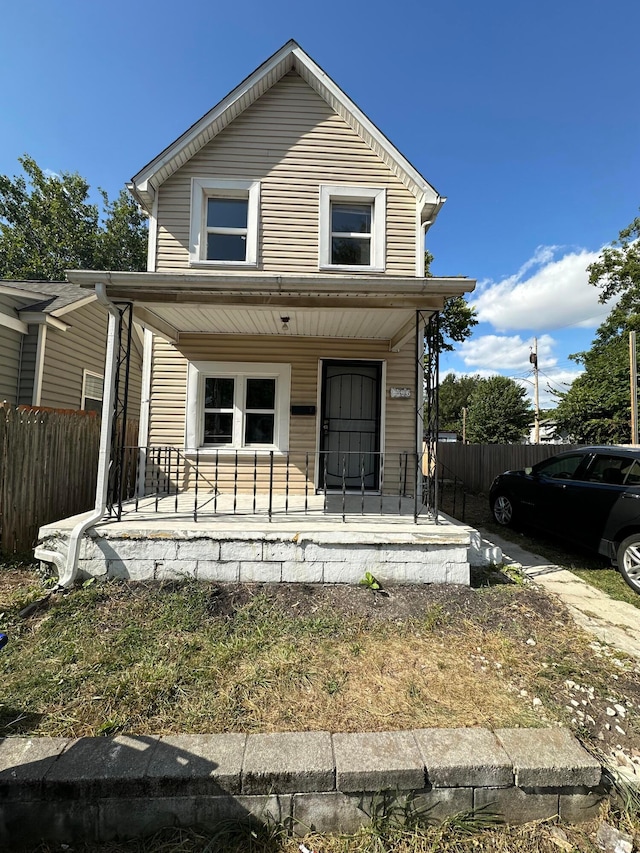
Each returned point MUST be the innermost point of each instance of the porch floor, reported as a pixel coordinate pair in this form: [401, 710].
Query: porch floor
[319, 514]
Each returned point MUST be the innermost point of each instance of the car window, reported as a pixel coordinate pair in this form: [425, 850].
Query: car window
[633, 474]
[610, 469]
[563, 467]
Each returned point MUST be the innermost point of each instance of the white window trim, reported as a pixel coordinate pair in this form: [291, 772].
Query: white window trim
[198, 371]
[85, 375]
[205, 188]
[376, 196]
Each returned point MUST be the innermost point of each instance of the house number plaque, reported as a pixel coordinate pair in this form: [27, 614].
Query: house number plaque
[397, 393]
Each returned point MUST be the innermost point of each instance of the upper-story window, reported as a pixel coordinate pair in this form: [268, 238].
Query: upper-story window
[352, 228]
[224, 222]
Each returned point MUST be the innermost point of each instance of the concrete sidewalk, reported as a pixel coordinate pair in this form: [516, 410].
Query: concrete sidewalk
[614, 622]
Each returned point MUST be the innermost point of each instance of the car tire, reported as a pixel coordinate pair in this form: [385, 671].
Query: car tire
[503, 510]
[629, 561]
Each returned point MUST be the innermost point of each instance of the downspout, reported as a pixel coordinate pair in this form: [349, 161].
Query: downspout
[68, 569]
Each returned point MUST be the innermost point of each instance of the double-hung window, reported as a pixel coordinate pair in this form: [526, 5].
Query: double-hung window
[352, 228]
[232, 405]
[92, 391]
[224, 222]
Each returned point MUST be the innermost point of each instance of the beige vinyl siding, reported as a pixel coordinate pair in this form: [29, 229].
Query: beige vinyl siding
[9, 364]
[82, 347]
[292, 142]
[10, 346]
[168, 399]
[28, 366]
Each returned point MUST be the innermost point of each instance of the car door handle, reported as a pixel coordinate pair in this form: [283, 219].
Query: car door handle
[631, 496]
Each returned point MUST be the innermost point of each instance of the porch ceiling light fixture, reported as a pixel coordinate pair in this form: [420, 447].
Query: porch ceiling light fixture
[285, 323]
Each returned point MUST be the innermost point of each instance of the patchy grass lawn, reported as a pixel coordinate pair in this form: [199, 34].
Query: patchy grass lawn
[197, 657]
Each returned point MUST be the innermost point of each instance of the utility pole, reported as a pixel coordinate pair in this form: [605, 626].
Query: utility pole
[533, 358]
[633, 382]
[464, 424]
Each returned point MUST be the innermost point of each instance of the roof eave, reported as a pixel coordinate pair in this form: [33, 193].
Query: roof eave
[290, 57]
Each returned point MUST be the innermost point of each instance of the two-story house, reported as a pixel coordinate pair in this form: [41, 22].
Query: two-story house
[285, 308]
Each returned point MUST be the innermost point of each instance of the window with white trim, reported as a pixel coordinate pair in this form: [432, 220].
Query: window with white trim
[238, 406]
[224, 222]
[352, 228]
[92, 391]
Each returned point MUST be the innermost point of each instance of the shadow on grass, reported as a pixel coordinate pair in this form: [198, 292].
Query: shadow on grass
[16, 722]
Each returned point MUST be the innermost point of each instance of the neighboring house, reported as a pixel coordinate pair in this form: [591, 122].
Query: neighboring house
[52, 347]
[285, 308]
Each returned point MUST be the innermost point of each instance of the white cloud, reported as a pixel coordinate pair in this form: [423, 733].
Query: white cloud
[508, 355]
[505, 353]
[556, 295]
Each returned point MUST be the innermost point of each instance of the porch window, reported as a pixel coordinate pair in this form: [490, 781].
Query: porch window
[352, 228]
[224, 222]
[238, 406]
[92, 390]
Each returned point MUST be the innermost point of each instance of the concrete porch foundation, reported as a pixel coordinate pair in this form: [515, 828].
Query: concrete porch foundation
[248, 548]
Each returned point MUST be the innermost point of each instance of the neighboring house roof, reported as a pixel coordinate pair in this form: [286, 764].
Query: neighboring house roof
[290, 57]
[46, 297]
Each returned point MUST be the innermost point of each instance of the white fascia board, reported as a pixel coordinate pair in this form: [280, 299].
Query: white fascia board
[143, 184]
[73, 306]
[246, 282]
[316, 73]
[13, 323]
[145, 176]
[38, 318]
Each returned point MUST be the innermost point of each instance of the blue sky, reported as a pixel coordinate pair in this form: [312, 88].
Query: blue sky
[524, 114]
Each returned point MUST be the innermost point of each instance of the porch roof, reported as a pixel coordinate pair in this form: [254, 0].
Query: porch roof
[175, 304]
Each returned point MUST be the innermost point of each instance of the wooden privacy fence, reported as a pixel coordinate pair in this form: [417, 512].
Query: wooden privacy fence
[48, 467]
[476, 465]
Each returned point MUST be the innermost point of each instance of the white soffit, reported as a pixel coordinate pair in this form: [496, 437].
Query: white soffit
[290, 57]
[222, 320]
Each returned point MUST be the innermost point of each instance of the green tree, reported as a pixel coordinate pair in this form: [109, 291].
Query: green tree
[597, 407]
[454, 395]
[48, 224]
[617, 270]
[457, 317]
[499, 412]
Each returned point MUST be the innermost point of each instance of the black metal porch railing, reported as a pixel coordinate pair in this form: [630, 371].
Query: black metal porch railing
[166, 480]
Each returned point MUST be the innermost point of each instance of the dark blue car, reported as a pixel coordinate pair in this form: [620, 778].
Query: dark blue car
[590, 497]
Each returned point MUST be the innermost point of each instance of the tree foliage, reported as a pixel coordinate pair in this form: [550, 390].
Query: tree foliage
[617, 270]
[454, 395]
[457, 317]
[48, 224]
[597, 407]
[499, 412]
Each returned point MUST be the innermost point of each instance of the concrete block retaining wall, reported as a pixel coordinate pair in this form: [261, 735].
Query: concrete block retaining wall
[103, 789]
[269, 557]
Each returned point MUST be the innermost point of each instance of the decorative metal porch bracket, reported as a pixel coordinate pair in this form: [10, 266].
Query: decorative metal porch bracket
[428, 370]
[120, 405]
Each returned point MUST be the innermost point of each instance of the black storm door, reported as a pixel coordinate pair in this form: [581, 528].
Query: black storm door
[350, 426]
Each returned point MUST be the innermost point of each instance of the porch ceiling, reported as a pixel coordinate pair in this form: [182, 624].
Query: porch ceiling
[370, 323]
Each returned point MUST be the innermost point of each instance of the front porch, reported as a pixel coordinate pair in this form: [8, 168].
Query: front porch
[334, 543]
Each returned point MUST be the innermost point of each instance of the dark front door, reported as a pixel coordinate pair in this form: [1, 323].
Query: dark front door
[350, 427]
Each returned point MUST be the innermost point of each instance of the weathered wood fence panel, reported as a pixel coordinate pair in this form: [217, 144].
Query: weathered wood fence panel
[476, 465]
[48, 468]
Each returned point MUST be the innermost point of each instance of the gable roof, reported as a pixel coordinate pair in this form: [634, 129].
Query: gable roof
[290, 57]
[47, 297]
